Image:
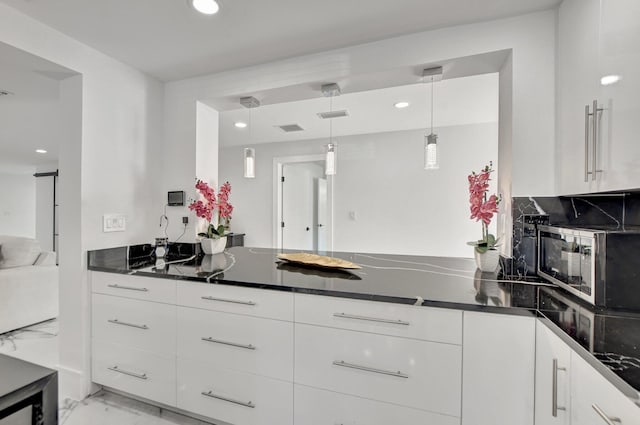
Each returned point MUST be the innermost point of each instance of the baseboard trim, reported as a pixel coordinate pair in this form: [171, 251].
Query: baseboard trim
[72, 384]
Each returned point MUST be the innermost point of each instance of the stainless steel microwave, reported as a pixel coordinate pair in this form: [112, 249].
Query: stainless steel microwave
[601, 265]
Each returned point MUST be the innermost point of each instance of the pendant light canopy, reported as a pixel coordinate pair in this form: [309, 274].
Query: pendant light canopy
[431, 157]
[331, 159]
[249, 102]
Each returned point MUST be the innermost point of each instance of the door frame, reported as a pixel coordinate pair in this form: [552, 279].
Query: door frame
[278, 163]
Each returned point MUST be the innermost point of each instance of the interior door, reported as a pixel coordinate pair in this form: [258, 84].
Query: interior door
[321, 215]
[298, 221]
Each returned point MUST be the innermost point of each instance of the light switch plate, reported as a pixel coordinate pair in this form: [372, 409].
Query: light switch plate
[114, 223]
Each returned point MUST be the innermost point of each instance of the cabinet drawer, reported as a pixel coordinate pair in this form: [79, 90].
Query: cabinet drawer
[320, 407]
[593, 398]
[137, 287]
[134, 371]
[243, 343]
[234, 397]
[420, 374]
[133, 323]
[426, 323]
[234, 299]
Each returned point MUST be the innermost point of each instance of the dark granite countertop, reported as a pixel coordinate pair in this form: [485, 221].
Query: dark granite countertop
[434, 281]
[609, 341]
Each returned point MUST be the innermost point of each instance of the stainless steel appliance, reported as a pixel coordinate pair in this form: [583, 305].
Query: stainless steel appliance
[600, 265]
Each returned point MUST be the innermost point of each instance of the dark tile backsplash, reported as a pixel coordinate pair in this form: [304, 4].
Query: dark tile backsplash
[617, 209]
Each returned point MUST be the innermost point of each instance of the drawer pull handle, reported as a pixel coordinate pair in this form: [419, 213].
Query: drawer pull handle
[131, 325]
[554, 389]
[225, 300]
[230, 400]
[370, 369]
[609, 420]
[371, 319]
[126, 372]
[130, 288]
[233, 344]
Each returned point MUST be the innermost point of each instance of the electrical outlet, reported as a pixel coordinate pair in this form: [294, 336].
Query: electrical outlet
[185, 220]
[114, 223]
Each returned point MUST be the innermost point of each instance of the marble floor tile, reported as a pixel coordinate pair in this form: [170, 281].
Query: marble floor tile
[36, 344]
[106, 408]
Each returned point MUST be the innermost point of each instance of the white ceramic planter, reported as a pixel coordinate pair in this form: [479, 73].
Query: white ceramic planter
[487, 261]
[213, 246]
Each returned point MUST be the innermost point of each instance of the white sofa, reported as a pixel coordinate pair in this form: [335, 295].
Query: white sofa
[28, 283]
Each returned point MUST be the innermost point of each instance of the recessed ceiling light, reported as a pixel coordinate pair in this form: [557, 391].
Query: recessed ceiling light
[241, 124]
[609, 79]
[41, 151]
[206, 7]
[401, 105]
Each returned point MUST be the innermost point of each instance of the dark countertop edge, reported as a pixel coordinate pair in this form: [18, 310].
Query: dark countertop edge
[614, 379]
[518, 311]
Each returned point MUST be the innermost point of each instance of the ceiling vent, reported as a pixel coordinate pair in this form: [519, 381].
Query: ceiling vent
[5, 93]
[289, 128]
[333, 114]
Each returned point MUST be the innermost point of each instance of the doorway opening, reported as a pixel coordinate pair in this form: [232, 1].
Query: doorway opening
[303, 216]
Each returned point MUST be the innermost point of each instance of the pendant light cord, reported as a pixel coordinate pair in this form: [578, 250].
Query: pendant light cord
[331, 119]
[431, 105]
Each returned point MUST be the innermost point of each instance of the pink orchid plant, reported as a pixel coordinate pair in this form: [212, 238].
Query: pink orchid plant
[213, 207]
[482, 207]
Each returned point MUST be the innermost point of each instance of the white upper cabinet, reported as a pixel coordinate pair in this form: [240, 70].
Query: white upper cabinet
[597, 151]
[619, 57]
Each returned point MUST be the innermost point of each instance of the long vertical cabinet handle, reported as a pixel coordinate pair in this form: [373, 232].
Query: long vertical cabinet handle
[594, 142]
[554, 389]
[586, 143]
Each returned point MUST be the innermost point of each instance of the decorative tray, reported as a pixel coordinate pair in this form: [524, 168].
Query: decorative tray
[315, 260]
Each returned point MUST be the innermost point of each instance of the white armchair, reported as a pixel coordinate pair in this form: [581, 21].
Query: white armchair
[28, 283]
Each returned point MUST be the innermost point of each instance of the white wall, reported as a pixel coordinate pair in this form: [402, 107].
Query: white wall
[531, 38]
[400, 208]
[18, 204]
[109, 164]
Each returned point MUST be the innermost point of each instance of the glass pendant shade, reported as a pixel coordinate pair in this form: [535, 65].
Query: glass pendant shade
[330, 164]
[249, 163]
[431, 159]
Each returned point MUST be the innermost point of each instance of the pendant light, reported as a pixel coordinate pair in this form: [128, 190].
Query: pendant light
[431, 157]
[249, 154]
[331, 158]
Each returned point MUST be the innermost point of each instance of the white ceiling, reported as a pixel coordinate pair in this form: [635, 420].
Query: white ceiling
[459, 101]
[170, 41]
[29, 119]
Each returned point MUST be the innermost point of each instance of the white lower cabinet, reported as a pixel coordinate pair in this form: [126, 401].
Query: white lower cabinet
[138, 372]
[243, 343]
[553, 386]
[211, 390]
[138, 324]
[419, 374]
[595, 401]
[321, 407]
[498, 365]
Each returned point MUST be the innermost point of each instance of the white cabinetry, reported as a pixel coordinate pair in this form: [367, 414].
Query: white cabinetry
[595, 401]
[553, 395]
[498, 359]
[570, 391]
[384, 353]
[320, 407]
[133, 336]
[598, 38]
